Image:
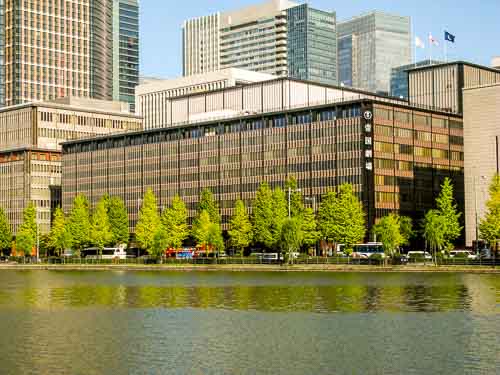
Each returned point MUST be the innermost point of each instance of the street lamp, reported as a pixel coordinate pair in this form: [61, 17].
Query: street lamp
[37, 236]
[476, 178]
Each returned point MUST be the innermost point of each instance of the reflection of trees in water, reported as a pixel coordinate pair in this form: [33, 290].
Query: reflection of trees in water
[351, 293]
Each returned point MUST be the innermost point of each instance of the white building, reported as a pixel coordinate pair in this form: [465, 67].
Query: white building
[253, 38]
[153, 98]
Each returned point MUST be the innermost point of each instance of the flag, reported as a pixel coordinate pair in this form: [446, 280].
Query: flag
[432, 40]
[419, 43]
[449, 37]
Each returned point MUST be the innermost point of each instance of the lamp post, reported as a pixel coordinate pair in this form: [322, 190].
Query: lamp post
[475, 205]
[37, 236]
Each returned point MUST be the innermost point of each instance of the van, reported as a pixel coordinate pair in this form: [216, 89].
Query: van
[464, 254]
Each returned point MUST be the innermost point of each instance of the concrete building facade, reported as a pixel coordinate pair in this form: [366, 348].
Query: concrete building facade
[482, 150]
[394, 155]
[30, 149]
[399, 77]
[156, 99]
[369, 46]
[441, 86]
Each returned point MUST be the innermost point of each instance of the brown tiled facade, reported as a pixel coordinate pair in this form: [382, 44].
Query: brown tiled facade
[395, 156]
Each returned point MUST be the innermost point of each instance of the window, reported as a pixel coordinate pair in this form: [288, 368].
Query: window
[384, 147]
[403, 133]
[403, 149]
[384, 163]
[386, 131]
[440, 138]
[383, 114]
[423, 152]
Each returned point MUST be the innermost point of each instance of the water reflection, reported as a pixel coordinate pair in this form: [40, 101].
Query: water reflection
[260, 292]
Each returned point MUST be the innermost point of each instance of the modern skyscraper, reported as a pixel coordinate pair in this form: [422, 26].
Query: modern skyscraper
[369, 46]
[312, 44]
[278, 37]
[125, 50]
[52, 49]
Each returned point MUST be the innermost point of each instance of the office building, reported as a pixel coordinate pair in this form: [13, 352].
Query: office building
[369, 46]
[155, 97]
[312, 44]
[52, 49]
[30, 150]
[395, 155]
[481, 147]
[399, 78]
[277, 37]
[441, 86]
[125, 50]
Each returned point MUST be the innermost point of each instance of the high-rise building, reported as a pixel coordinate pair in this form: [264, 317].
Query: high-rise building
[52, 49]
[399, 77]
[369, 46]
[277, 37]
[125, 50]
[312, 44]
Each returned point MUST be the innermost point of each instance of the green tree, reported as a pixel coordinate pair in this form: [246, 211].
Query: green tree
[79, 223]
[240, 228]
[489, 226]
[388, 232]
[207, 233]
[309, 228]
[148, 223]
[25, 241]
[449, 210]
[263, 213]
[100, 230]
[160, 242]
[434, 229]
[207, 203]
[342, 218]
[118, 220]
[291, 237]
[59, 237]
[174, 221]
[406, 229]
[5, 232]
[280, 214]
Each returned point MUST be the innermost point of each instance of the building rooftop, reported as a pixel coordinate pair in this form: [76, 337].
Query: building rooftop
[459, 62]
[80, 104]
[241, 76]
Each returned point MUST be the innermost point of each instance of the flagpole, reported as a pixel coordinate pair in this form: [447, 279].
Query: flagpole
[445, 47]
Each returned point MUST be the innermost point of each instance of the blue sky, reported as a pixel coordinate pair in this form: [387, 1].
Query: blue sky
[476, 25]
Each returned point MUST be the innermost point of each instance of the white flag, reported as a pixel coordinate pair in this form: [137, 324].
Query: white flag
[419, 43]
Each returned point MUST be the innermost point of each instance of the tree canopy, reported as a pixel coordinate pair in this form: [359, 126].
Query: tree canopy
[207, 203]
[100, 230]
[342, 218]
[490, 224]
[5, 232]
[79, 222]
[118, 220]
[59, 237]
[240, 228]
[263, 213]
[174, 222]
[149, 221]
[447, 207]
[388, 231]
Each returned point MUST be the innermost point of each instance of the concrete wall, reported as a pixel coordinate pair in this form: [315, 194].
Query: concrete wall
[481, 129]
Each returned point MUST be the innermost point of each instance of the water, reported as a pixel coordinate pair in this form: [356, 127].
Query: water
[248, 323]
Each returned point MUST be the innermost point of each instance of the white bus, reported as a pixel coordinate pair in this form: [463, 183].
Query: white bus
[107, 253]
[364, 250]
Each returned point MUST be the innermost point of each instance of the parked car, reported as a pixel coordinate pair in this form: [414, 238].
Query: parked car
[419, 255]
[463, 254]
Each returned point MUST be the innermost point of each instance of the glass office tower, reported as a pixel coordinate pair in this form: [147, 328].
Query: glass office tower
[312, 44]
[125, 50]
[370, 46]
